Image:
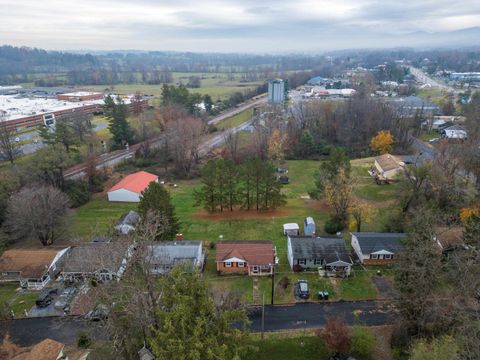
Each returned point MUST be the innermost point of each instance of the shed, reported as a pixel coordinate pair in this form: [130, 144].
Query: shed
[130, 188]
[309, 226]
[291, 229]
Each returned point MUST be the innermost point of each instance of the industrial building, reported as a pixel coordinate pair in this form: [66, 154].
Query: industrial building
[27, 110]
[277, 91]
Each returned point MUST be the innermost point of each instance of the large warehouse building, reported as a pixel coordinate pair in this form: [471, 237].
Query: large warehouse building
[28, 110]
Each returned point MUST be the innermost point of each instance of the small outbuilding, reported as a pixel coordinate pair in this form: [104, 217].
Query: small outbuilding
[388, 166]
[128, 222]
[455, 132]
[130, 188]
[309, 227]
[291, 229]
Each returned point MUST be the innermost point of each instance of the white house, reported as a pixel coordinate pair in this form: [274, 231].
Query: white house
[130, 188]
[455, 132]
[377, 248]
[165, 255]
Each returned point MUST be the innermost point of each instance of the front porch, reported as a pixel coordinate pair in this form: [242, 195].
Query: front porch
[260, 270]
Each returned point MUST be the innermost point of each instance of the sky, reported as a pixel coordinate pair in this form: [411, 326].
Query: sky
[234, 25]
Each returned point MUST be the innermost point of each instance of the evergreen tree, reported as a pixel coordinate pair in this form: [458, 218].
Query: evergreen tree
[191, 326]
[207, 195]
[116, 113]
[156, 199]
[271, 188]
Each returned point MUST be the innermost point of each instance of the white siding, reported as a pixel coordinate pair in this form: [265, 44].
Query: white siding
[290, 253]
[123, 195]
[356, 247]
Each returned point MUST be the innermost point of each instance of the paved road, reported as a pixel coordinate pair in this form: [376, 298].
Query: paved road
[300, 316]
[115, 157]
[424, 78]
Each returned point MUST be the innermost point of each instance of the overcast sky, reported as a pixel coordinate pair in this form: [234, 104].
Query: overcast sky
[230, 26]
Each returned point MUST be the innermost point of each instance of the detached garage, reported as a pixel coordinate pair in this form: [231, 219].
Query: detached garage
[130, 188]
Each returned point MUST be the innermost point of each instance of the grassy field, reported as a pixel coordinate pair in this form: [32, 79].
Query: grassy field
[7, 291]
[218, 85]
[98, 216]
[236, 120]
[23, 301]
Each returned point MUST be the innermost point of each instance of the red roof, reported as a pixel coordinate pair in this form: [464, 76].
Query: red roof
[136, 182]
[254, 252]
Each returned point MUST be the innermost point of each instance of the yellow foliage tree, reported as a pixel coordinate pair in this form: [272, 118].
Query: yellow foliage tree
[276, 145]
[361, 213]
[382, 142]
[467, 213]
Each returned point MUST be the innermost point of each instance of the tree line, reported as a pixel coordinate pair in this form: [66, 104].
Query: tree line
[249, 185]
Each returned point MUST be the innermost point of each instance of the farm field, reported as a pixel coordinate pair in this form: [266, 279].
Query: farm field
[98, 216]
[218, 85]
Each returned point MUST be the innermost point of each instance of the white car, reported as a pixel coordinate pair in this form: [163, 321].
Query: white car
[17, 139]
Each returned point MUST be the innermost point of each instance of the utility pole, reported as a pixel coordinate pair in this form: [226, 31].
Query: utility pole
[263, 313]
[273, 280]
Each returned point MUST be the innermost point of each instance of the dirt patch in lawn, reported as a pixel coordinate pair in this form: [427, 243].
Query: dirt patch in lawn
[318, 205]
[242, 215]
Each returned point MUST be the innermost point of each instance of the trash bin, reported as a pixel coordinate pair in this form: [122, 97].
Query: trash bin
[325, 295]
[320, 295]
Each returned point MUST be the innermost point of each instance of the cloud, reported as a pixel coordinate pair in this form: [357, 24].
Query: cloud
[235, 25]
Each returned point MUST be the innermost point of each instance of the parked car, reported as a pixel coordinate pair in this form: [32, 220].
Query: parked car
[65, 297]
[282, 170]
[284, 180]
[17, 139]
[302, 289]
[46, 297]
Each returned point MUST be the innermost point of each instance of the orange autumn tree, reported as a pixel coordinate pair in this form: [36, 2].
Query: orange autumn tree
[467, 213]
[382, 142]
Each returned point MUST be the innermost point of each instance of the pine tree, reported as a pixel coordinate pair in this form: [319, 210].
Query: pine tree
[156, 199]
[207, 194]
[116, 113]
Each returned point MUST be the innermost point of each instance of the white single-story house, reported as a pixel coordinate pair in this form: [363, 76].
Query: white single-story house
[163, 256]
[32, 268]
[130, 188]
[291, 229]
[456, 132]
[100, 261]
[377, 248]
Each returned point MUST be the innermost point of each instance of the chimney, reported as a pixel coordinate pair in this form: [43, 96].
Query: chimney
[179, 237]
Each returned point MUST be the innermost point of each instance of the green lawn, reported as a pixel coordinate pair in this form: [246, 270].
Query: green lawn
[98, 216]
[297, 347]
[7, 291]
[24, 301]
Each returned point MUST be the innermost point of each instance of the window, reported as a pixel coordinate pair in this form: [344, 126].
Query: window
[317, 262]
[302, 262]
[228, 264]
[388, 256]
[241, 264]
[255, 269]
[373, 256]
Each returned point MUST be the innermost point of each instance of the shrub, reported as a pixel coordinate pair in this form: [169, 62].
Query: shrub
[297, 268]
[363, 343]
[284, 282]
[78, 191]
[333, 225]
[84, 341]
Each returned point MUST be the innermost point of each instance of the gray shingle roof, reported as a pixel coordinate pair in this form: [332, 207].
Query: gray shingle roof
[130, 218]
[172, 252]
[372, 242]
[330, 249]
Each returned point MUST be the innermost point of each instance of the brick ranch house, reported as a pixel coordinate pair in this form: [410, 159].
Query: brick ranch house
[252, 257]
[377, 248]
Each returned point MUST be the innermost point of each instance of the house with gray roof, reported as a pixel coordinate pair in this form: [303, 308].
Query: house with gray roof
[377, 248]
[164, 256]
[328, 254]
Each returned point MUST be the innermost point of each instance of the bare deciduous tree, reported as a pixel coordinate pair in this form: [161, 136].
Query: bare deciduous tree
[8, 148]
[38, 213]
[231, 137]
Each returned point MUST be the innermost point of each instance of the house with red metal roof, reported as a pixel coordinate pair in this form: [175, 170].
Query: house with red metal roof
[252, 257]
[130, 187]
